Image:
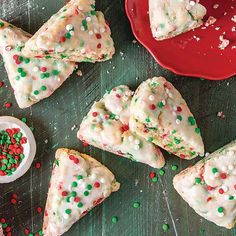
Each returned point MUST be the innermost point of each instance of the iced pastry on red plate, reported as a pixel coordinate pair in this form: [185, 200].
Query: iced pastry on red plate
[76, 33]
[32, 79]
[106, 126]
[209, 186]
[159, 114]
[78, 184]
[173, 17]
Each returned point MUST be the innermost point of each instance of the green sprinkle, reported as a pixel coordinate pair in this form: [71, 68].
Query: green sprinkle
[220, 209]
[19, 70]
[20, 58]
[160, 104]
[161, 172]
[114, 219]
[43, 88]
[23, 74]
[214, 170]
[165, 227]
[112, 116]
[174, 167]
[198, 180]
[93, 13]
[231, 197]
[80, 204]
[48, 57]
[179, 117]
[42, 76]
[17, 77]
[27, 60]
[19, 48]
[79, 177]
[89, 187]
[155, 179]
[68, 211]
[36, 92]
[55, 72]
[68, 199]
[1, 24]
[197, 130]
[47, 75]
[191, 120]
[86, 193]
[24, 120]
[150, 139]
[73, 194]
[147, 120]
[177, 141]
[68, 35]
[74, 184]
[136, 205]
[81, 43]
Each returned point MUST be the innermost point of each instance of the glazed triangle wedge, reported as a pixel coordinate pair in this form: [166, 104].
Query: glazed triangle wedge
[75, 33]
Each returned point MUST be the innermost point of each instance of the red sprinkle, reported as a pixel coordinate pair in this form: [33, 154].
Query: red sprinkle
[235, 186]
[85, 144]
[1, 84]
[124, 128]
[13, 201]
[99, 45]
[223, 176]
[14, 195]
[3, 220]
[182, 156]
[96, 185]
[98, 36]
[43, 69]
[209, 188]
[62, 39]
[64, 193]
[221, 191]
[152, 107]
[94, 114]
[179, 109]
[152, 175]
[8, 104]
[39, 209]
[77, 199]
[37, 165]
[27, 231]
[209, 199]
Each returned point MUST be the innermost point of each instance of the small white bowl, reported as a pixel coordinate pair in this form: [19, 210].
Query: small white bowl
[29, 147]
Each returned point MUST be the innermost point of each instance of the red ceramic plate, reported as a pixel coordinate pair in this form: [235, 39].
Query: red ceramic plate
[185, 54]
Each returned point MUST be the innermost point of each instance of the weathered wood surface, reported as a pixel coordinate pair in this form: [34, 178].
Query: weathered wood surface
[53, 119]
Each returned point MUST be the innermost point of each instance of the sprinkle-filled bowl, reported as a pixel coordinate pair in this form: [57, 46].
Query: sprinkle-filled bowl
[17, 148]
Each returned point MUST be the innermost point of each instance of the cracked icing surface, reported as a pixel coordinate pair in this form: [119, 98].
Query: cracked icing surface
[172, 17]
[209, 187]
[32, 79]
[106, 126]
[78, 184]
[76, 33]
[160, 114]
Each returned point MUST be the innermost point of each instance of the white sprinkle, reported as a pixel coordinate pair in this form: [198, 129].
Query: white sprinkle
[215, 6]
[119, 109]
[72, 199]
[117, 117]
[80, 8]
[65, 216]
[221, 214]
[93, 176]
[164, 102]
[192, 3]
[102, 30]
[131, 138]
[35, 69]
[177, 121]
[137, 141]
[90, 32]
[82, 28]
[88, 19]
[102, 180]
[226, 196]
[151, 98]
[175, 108]
[234, 18]
[69, 27]
[174, 113]
[72, 33]
[217, 174]
[136, 147]
[207, 154]
[82, 50]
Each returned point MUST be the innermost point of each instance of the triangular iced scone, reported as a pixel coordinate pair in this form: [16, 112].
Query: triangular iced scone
[76, 33]
[78, 184]
[173, 17]
[209, 186]
[106, 127]
[160, 114]
[32, 79]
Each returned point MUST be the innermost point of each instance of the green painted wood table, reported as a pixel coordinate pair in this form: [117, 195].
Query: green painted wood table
[56, 119]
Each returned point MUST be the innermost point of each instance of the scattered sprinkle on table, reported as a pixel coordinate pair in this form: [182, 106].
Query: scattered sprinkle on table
[136, 204]
[174, 167]
[161, 172]
[165, 227]
[8, 105]
[155, 179]
[37, 165]
[114, 219]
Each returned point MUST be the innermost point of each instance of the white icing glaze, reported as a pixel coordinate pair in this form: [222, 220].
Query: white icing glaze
[102, 128]
[57, 220]
[157, 119]
[213, 199]
[29, 88]
[172, 17]
[74, 34]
